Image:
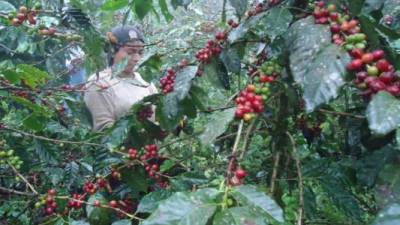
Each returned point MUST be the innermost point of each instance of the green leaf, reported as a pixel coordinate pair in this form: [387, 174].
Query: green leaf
[240, 7]
[12, 76]
[142, 7]
[183, 81]
[122, 222]
[274, 23]
[383, 113]
[240, 216]
[150, 65]
[215, 71]
[32, 75]
[217, 125]
[150, 202]
[6, 7]
[34, 122]
[37, 109]
[231, 59]
[184, 3]
[316, 64]
[135, 178]
[98, 215]
[114, 4]
[244, 27]
[164, 10]
[184, 208]
[389, 215]
[166, 165]
[117, 134]
[248, 195]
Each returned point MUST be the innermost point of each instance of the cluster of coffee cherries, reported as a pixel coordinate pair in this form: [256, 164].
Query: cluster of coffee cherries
[9, 157]
[212, 48]
[145, 113]
[344, 31]
[248, 103]
[48, 31]
[167, 82]
[237, 178]
[125, 205]
[76, 201]
[24, 15]
[152, 169]
[50, 203]
[89, 187]
[373, 72]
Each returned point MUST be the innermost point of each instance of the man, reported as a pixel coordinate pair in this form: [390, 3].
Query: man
[108, 98]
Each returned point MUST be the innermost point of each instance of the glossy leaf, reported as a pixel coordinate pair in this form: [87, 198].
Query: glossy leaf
[150, 202]
[184, 209]
[390, 215]
[6, 7]
[383, 113]
[240, 6]
[217, 125]
[240, 216]
[316, 64]
[114, 4]
[248, 195]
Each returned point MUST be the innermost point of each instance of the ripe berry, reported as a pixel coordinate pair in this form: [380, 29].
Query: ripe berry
[49, 211]
[383, 65]
[113, 203]
[240, 174]
[335, 28]
[21, 17]
[378, 54]
[394, 90]
[367, 58]
[51, 192]
[354, 65]
[357, 53]
[220, 36]
[387, 77]
[52, 30]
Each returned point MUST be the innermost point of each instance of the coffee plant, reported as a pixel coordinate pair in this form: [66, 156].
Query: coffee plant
[268, 112]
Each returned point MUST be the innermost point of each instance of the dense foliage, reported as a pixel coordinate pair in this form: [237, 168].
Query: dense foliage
[269, 112]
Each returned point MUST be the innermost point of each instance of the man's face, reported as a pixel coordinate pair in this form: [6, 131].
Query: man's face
[134, 51]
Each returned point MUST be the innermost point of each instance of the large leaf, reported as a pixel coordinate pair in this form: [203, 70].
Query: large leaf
[383, 113]
[6, 7]
[185, 209]
[31, 75]
[183, 81]
[98, 215]
[240, 216]
[164, 10]
[387, 189]
[149, 66]
[316, 64]
[389, 215]
[150, 202]
[135, 178]
[231, 59]
[114, 4]
[240, 6]
[244, 27]
[142, 7]
[216, 73]
[248, 195]
[217, 125]
[117, 134]
[275, 22]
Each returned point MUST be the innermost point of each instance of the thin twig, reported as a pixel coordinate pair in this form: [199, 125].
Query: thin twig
[234, 150]
[300, 176]
[51, 139]
[342, 114]
[247, 137]
[11, 191]
[23, 178]
[275, 171]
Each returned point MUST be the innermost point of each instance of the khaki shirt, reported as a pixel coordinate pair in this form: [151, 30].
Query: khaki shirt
[108, 99]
